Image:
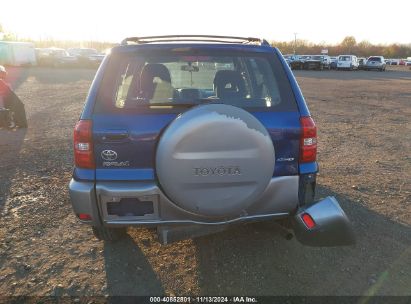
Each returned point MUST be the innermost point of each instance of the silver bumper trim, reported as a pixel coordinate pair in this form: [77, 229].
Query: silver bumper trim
[278, 200]
[251, 218]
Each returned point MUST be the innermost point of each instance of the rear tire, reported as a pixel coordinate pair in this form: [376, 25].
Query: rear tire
[109, 234]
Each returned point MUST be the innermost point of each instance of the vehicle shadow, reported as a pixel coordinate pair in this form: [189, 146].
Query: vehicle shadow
[22, 150]
[256, 260]
[11, 142]
[128, 271]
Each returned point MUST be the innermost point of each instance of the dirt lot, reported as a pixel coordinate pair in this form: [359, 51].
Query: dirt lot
[364, 121]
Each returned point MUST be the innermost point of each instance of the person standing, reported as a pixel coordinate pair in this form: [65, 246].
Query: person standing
[12, 112]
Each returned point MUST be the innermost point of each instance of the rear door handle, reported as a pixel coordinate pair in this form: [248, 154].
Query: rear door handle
[114, 135]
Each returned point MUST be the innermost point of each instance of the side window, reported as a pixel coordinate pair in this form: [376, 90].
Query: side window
[265, 84]
[123, 86]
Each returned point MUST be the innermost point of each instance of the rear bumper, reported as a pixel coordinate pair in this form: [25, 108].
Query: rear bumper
[278, 200]
[312, 65]
[83, 200]
[373, 67]
[331, 225]
[344, 67]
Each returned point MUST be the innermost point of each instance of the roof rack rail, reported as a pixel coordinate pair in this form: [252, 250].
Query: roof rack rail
[194, 38]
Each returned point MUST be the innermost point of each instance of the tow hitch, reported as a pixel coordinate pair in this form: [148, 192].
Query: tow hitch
[323, 224]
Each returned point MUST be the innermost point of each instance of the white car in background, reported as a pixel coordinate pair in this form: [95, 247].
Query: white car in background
[375, 63]
[347, 62]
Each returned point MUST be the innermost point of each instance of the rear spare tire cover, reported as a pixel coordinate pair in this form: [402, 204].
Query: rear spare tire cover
[215, 160]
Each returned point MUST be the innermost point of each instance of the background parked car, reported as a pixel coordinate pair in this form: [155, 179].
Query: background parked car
[361, 63]
[86, 57]
[326, 62]
[17, 53]
[55, 57]
[295, 61]
[375, 63]
[395, 61]
[298, 63]
[347, 62]
[289, 59]
[333, 62]
[317, 62]
[302, 60]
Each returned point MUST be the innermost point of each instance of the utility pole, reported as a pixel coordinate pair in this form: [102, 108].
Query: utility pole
[295, 42]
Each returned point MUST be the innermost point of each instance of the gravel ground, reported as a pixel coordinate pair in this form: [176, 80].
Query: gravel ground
[364, 153]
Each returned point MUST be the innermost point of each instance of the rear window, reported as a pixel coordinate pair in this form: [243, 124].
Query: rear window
[344, 58]
[171, 79]
[378, 59]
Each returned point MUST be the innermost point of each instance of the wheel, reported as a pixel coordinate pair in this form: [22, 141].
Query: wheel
[109, 234]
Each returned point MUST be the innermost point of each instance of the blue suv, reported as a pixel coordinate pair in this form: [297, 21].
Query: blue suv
[190, 134]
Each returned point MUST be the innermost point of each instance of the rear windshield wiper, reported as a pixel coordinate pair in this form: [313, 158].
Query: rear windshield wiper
[145, 102]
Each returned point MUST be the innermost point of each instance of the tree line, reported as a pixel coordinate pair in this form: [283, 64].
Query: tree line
[51, 42]
[349, 45]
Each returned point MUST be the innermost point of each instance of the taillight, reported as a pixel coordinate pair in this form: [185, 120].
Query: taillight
[83, 145]
[308, 143]
[308, 220]
[84, 216]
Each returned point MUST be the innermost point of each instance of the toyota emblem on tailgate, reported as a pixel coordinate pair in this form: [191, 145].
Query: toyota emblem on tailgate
[109, 155]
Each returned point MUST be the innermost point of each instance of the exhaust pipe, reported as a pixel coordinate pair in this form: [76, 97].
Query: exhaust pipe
[323, 224]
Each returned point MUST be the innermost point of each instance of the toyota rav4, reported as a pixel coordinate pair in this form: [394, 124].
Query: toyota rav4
[191, 134]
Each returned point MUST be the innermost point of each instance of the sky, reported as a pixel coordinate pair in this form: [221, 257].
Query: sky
[316, 21]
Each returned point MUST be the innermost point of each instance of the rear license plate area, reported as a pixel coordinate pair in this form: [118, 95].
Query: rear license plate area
[130, 208]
